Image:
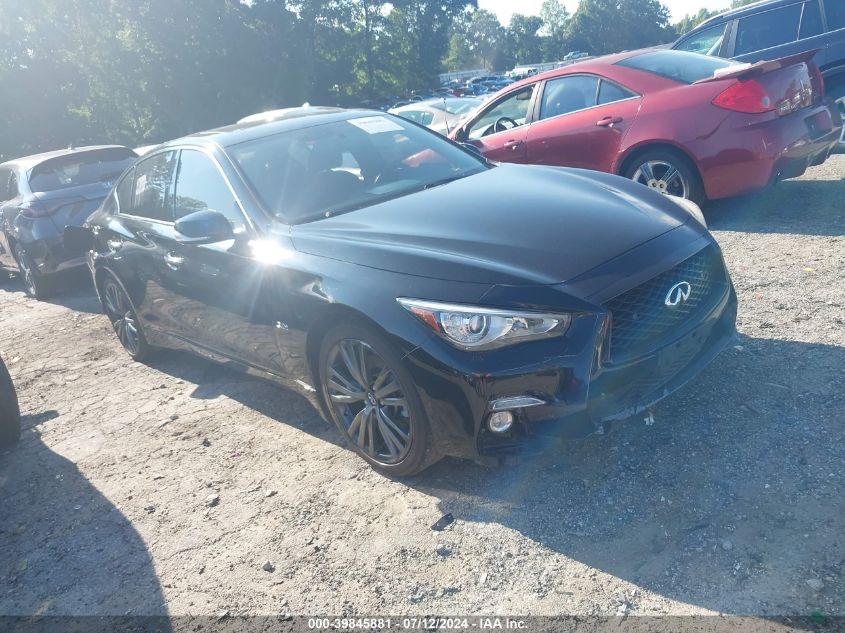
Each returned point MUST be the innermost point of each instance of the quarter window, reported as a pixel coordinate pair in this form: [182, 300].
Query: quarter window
[610, 92]
[124, 192]
[153, 188]
[768, 29]
[568, 94]
[201, 187]
[707, 42]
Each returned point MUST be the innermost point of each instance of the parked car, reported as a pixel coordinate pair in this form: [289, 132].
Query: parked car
[10, 414]
[337, 253]
[40, 195]
[440, 115]
[778, 28]
[574, 55]
[681, 123]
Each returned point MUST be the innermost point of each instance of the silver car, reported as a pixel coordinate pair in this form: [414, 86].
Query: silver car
[440, 115]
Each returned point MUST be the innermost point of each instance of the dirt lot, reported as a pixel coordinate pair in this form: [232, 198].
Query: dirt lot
[167, 488]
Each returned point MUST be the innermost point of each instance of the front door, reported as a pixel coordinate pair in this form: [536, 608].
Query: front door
[499, 130]
[582, 122]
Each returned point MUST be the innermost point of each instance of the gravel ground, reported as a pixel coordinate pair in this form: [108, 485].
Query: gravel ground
[167, 489]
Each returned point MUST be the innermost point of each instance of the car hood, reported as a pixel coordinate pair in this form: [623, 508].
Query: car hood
[512, 224]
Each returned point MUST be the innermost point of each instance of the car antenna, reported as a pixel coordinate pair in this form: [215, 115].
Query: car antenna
[445, 107]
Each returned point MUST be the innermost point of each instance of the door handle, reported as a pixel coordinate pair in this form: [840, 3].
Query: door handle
[173, 261]
[609, 121]
[514, 145]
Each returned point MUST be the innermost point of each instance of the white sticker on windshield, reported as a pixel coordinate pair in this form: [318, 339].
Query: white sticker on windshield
[376, 124]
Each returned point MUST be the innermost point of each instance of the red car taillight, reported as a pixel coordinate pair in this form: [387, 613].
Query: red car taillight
[818, 81]
[34, 210]
[745, 96]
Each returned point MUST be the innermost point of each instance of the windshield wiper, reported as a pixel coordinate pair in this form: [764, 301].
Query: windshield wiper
[445, 181]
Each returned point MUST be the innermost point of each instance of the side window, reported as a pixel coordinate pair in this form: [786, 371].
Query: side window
[834, 10]
[511, 112]
[568, 94]
[707, 42]
[153, 188]
[200, 186]
[811, 20]
[413, 115]
[610, 92]
[124, 192]
[768, 29]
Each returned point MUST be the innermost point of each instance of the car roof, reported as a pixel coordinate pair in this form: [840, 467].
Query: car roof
[594, 65]
[292, 119]
[740, 12]
[28, 162]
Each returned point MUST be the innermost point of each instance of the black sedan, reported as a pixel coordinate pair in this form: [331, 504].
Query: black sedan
[42, 194]
[431, 303]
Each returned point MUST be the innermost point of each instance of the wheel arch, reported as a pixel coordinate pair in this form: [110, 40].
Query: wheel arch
[633, 152]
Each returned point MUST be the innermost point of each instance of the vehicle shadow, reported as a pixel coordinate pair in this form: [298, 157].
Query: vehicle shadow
[72, 290]
[716, 504]
[271, 399]
[803, 207]
[65, 549]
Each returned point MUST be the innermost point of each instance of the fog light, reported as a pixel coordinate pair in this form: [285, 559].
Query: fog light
[500, 422]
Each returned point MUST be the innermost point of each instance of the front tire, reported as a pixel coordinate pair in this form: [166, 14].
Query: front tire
[372, 399]
[668, 172]
[10, 414]
[124, 319]
[35, 285]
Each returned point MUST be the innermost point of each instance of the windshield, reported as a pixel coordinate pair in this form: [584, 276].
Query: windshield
[76, 170]
[460, 106]
[678, 66]
[337, 167]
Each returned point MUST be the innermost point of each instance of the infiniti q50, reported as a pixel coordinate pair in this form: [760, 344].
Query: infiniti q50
[430, 302]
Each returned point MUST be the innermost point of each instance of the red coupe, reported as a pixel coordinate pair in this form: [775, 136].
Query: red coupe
[685, 124]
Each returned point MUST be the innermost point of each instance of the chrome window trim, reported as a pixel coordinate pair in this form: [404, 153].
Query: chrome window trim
[600, 79]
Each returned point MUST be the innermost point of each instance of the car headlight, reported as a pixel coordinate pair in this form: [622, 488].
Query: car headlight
[477, 328]
[690, 207]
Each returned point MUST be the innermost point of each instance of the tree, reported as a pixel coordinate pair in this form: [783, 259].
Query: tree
[555, 21]
[527, 45]
[689, 22]
[607, 26]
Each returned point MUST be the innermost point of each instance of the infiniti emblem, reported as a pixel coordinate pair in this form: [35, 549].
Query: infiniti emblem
[678, 294]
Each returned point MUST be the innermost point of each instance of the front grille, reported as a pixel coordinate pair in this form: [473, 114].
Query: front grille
[640, 318]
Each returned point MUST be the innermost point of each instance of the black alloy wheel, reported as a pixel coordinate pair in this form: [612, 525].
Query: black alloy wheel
[373, 401]
[123, 318]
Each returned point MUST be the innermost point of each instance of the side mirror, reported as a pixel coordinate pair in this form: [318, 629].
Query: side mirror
[205, 226]
[78, 240]
[472, 148]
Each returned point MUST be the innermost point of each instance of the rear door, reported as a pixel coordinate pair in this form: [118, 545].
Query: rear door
[499, 129]
[140, 237]
[582, 122]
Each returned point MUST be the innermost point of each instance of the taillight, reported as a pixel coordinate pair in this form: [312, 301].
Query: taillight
[34, 210]
[745, 96]
[818, 81]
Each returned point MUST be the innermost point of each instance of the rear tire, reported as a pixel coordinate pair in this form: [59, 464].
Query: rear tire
[35, 285]
[668, 172]
[837, 93]
[124, 319]
[10, 414]
[373, 401]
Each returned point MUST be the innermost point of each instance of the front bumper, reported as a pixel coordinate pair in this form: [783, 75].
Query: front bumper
[582, 391]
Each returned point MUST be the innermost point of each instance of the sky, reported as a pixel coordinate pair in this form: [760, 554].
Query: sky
[679, 8]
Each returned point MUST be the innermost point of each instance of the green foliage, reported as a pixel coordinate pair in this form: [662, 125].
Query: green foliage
[143, 71]
[689, 22]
